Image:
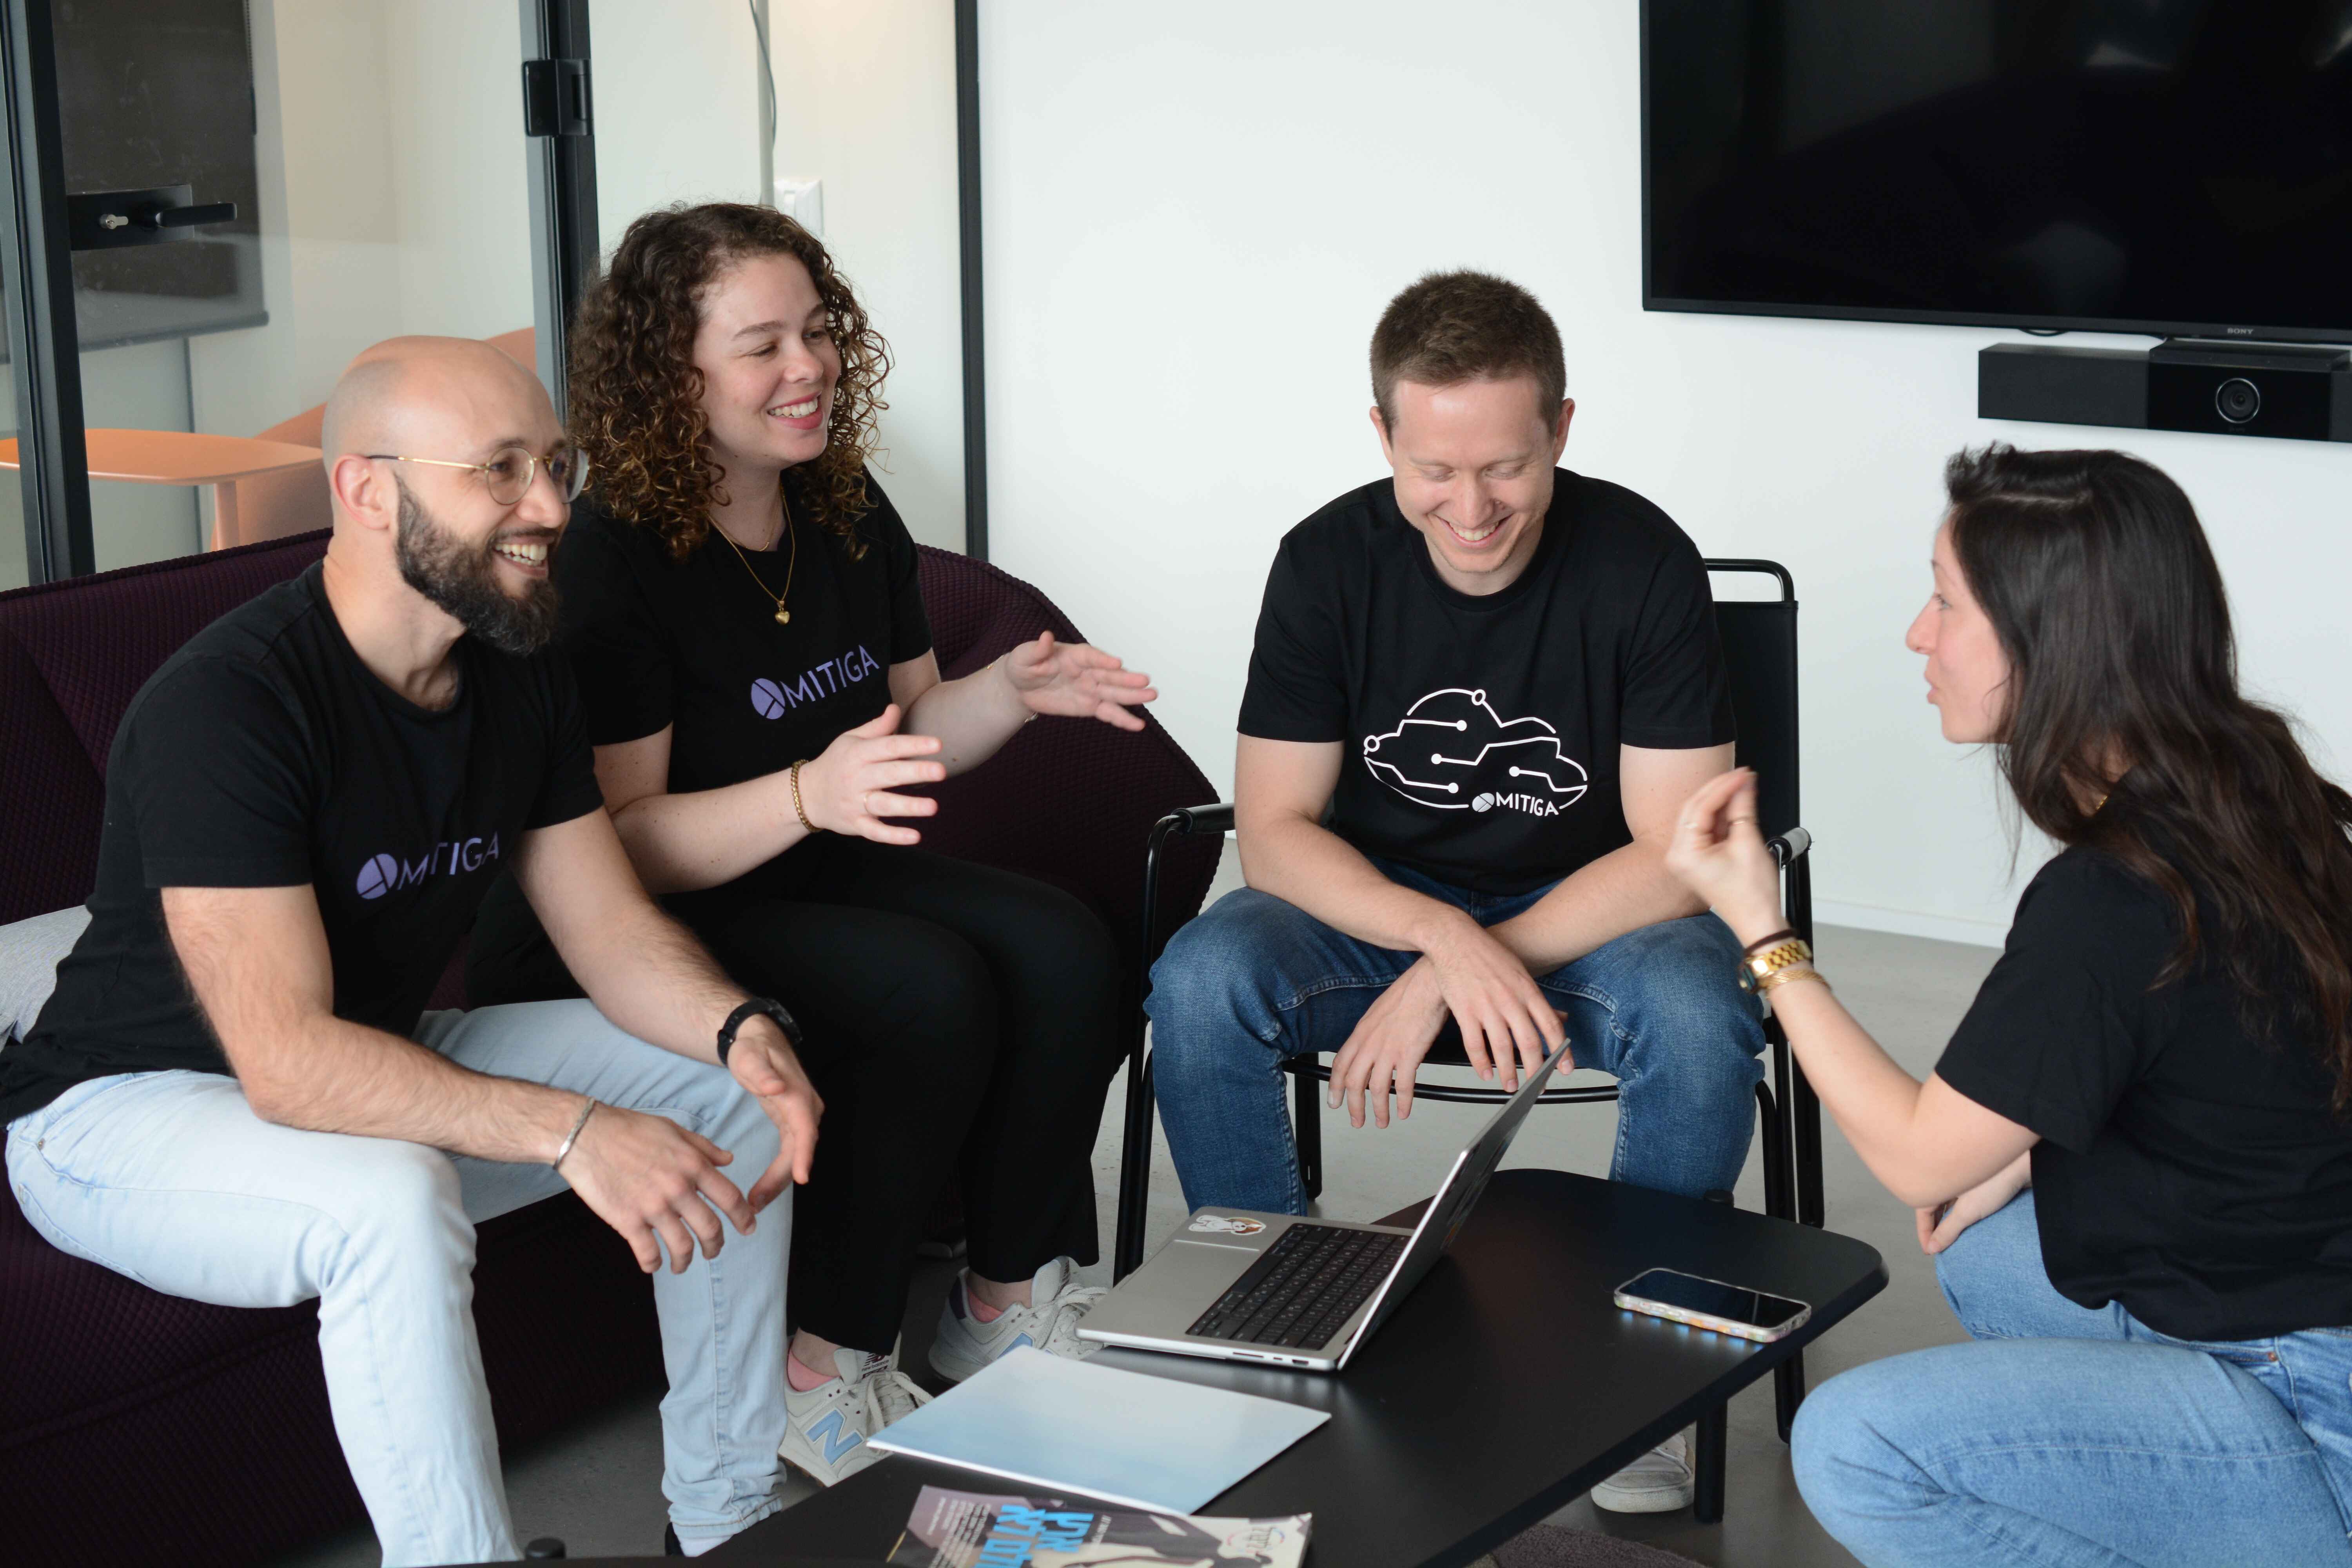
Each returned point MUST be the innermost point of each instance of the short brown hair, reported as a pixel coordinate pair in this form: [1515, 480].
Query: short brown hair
[1452, 326]
[636, 396]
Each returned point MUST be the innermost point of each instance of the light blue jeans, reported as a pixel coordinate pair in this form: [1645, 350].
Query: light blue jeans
[170, 1178]
[2073, 1439]
[1255, 979]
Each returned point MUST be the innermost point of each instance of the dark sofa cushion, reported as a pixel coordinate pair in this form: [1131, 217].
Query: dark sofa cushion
[48, 830]
[72, 655]
[1067, 803]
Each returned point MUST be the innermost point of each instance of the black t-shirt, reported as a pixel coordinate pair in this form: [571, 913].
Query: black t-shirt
[265, 754]
[2187, 1170]
[1481, 733]
[695, 644]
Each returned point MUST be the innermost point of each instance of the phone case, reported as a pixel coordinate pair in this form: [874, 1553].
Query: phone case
[1763, 1336]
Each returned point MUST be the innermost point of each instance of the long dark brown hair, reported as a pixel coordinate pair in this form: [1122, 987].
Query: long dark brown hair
[2100, 585]
[636, 396]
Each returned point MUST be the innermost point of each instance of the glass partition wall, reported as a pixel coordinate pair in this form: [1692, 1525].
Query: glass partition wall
[238, 196]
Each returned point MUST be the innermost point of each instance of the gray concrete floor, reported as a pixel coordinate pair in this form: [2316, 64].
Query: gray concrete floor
[597, 1486]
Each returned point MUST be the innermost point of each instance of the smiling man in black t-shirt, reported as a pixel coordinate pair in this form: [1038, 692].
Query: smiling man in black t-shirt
[1479, 693]
[236, 1093]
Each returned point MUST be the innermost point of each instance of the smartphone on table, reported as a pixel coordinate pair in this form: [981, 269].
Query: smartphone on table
[1712, 1304]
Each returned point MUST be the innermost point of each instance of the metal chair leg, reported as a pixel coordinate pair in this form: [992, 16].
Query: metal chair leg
[1134, 1168]
[1780, 1201]
[1806, 1109]
[1307, 1131]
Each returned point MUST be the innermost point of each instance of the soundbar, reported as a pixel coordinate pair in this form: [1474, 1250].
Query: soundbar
[2222, 389]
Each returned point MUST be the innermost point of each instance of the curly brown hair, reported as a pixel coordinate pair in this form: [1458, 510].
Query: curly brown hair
[636, 394]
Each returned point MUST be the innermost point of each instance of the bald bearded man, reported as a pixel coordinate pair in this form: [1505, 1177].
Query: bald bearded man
[235, 1094]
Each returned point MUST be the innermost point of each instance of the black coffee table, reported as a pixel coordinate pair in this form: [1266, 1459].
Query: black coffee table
[1502, 1390]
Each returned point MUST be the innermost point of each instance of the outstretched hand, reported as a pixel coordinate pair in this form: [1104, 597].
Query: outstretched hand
[1718, 853]
[1077, 681]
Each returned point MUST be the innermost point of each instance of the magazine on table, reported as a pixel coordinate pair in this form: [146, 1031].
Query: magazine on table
[987, 1529]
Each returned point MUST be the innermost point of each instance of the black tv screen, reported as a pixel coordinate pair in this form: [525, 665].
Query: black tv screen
[2176, 167]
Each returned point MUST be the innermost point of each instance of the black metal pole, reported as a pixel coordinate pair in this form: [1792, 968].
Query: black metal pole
[975, 373]
[563, 181]
[37, 268]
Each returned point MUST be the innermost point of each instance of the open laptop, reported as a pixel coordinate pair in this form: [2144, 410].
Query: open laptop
[1237, 1285]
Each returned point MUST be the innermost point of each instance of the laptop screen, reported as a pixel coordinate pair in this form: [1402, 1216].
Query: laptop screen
[1473, 1169]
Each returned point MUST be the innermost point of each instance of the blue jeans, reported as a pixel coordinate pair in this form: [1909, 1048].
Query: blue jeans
[1255, 979]
[2073, 1438]
[170, 1178]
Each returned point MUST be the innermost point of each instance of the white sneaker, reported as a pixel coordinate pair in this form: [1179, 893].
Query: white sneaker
[827, 1427]
[1657, 1482]
[964, 1344]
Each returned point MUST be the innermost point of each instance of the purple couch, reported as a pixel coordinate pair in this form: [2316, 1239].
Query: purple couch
[143, 1428]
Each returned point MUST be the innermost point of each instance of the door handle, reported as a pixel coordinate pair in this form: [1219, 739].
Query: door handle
[106, 220]
[185, 217]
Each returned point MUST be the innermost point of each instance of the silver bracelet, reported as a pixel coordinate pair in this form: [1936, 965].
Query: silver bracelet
[573, 1137]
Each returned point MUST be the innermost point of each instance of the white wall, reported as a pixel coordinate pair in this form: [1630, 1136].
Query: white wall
[1194, 218]
[676, 106]
[394, 195]
[865, 90]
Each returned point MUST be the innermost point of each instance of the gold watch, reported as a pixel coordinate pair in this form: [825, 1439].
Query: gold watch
[1758, 971]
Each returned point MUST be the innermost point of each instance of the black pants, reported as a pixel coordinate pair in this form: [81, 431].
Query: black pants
[946, 1007]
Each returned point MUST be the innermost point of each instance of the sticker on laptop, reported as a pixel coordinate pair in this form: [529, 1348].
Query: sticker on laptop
[1227, 1225]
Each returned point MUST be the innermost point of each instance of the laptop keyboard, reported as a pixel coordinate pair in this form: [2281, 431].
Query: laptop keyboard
[1304, 1287]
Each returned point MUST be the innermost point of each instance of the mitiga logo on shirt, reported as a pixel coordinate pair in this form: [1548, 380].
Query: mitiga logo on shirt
[772, 698]
[1453, 751]
[388, 873]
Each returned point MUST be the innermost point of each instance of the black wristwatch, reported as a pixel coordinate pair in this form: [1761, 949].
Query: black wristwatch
[774, 1009]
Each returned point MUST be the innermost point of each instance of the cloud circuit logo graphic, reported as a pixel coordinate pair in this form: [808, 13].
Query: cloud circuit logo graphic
[1453, 751]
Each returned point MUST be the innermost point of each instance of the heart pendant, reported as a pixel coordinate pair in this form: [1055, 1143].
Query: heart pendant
[784, 617]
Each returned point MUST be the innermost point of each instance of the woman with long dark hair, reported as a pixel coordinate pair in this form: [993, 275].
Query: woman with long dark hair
[741, 605]
[2133, 1163]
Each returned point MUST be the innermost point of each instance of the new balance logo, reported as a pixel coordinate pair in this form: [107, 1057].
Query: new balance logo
[829, 1433]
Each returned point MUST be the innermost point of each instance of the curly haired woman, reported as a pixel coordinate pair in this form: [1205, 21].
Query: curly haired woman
[741, 608]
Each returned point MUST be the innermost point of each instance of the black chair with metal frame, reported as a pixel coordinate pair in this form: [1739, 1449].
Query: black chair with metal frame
[1760, 645]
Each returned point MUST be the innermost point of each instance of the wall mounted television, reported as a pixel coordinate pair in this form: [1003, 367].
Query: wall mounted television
[2179, 168]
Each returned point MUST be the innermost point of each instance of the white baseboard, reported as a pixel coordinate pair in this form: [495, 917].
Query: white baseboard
[1909, 922]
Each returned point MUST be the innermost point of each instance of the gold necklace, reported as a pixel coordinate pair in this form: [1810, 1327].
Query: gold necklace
[784, 616]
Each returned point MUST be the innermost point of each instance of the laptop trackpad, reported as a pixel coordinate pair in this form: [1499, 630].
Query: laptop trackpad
[1200, 1270]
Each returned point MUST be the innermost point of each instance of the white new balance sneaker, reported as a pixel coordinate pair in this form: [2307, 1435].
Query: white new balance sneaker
[1657, 1482]
[964, 1344]
[827, 1427]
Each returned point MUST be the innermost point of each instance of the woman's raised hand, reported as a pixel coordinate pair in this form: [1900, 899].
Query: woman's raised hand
[1718, 853]
[1076, 682]
[848, 789]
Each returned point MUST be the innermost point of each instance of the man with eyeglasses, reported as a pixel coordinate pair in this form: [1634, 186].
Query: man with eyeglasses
[237, 1094]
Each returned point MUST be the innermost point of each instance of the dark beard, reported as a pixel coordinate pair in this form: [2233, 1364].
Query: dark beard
[464, 582]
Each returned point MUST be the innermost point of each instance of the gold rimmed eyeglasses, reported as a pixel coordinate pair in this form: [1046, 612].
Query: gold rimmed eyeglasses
[511, 469]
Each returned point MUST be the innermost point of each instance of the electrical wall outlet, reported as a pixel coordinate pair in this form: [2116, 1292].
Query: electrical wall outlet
[801, 198]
